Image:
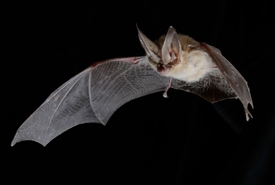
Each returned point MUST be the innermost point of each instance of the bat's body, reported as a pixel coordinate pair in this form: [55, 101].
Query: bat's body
[194, 64]
[175, 60]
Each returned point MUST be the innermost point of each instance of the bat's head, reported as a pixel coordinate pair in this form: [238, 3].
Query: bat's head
[166, 55]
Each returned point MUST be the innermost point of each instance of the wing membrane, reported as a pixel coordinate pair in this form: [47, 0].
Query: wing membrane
[116, 83]
[92, 96]
[232, 76]
[63, 109]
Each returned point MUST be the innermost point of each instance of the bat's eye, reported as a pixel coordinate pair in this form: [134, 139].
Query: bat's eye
[169, 64]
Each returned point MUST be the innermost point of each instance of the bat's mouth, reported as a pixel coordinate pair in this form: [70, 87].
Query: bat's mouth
[163, 69]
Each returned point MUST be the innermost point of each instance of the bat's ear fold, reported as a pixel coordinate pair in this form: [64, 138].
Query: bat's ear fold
[171, 48]
[150, 48]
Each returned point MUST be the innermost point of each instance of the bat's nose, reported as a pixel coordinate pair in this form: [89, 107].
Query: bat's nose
[160, 68]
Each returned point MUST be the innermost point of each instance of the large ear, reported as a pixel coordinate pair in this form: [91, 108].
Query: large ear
[171, 48]
[150, 48]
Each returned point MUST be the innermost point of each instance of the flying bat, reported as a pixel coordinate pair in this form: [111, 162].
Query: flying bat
[174, 61]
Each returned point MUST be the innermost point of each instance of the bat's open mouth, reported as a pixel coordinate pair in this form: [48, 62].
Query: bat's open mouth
[163, 70]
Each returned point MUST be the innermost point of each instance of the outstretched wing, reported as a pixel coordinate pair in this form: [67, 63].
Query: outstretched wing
[92, 96]
[220, 83]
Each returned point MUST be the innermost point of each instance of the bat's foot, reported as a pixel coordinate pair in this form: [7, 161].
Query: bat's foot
[165, 94]
[167, 88]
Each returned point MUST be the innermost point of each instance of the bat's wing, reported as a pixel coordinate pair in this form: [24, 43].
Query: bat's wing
[92, 96]
[221, 83]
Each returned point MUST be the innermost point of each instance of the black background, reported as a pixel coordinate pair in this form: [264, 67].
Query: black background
[151, 140]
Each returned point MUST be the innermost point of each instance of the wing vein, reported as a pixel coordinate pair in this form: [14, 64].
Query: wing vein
[90, 96]
[64, 85]
[57, 108]
[123, 73]
[129, 82]
[108, 85]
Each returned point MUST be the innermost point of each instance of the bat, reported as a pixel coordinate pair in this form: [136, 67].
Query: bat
[174, 61]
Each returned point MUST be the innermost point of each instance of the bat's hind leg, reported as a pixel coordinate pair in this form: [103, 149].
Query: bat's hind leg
[168, 86]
